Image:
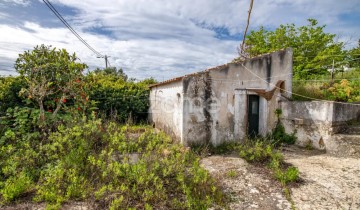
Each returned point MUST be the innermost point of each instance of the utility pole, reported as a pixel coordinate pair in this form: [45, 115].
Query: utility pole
[106, 60]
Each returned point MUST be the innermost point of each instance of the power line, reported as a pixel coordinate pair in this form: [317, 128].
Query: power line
[241, 50]
[52, 8]
[271, 84]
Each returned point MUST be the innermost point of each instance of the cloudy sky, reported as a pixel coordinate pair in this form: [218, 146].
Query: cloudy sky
[159, 38]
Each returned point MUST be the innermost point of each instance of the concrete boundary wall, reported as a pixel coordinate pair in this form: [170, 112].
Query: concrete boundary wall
[316, 122]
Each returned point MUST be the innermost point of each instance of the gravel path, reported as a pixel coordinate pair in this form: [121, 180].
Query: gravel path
[328, 182]
[250, 188]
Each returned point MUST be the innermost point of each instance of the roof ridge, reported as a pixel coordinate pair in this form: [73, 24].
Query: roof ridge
[215, 68]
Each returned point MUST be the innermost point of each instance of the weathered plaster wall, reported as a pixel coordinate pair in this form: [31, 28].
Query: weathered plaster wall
[316, 122]
[198, 117]
[166, 108]
[215, 109]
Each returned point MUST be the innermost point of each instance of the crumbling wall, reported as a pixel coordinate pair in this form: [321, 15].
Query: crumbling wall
[215, 101]
[316, 122]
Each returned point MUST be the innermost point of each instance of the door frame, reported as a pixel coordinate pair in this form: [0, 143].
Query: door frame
[241, 113]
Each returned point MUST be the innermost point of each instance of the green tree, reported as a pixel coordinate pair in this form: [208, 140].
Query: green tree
[314, 49]
[52, 76]
[354, 56]
[9, 92]
[113, 71]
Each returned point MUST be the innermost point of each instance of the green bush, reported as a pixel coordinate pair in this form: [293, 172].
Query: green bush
[117, 99]
[344, 90]
[118, 166]
[256, 151]
[15, 186]
[264, 152]
[279, 136]
[9, 93]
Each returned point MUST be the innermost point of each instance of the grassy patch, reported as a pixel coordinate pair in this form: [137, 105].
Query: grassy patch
[232, 173]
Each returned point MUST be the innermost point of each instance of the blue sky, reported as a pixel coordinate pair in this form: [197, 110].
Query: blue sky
[160, 38]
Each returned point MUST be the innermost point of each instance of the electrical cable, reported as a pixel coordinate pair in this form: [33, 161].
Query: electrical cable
[58, 15]
[315, 99]
[241, 50]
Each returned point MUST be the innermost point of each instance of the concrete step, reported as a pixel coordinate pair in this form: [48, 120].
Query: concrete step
[348, 145]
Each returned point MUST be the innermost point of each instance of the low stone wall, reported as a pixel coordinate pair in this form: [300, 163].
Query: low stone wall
[316, 122]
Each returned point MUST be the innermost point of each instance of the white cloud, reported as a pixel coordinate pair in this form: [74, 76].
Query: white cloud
[164, 38]
[140, 58]
[20, 2]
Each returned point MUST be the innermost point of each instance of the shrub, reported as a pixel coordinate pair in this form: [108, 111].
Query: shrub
[291, 174]
[231, 174]
[264, 152]
[117, 99]
[9, 93]
[257, 151]
[16, 186]
[279, 136]
[344, 90]
[119, 166]
[52, 78]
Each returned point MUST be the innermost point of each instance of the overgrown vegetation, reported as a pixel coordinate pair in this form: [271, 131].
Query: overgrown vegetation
[118, 166]
[346, 89]
[54, 148]
[118, 98]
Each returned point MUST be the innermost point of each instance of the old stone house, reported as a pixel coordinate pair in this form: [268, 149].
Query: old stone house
[225, 103]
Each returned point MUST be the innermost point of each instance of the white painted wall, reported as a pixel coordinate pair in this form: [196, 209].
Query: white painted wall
[166, 108]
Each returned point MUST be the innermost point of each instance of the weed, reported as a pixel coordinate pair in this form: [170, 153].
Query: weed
[263, 152]
[291, 174]
[15, 186]
[309, 145]
[232, 173]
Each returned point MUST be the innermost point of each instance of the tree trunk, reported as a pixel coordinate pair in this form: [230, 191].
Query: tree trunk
[42, 112]
[58, 106]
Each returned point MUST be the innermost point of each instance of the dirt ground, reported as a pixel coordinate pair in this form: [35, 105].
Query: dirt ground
[327, 182]
[330, 182]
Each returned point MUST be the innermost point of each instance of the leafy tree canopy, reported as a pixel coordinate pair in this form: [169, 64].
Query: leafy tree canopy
[53, 76]
[314, 49]
[354, 56]
[112, 71]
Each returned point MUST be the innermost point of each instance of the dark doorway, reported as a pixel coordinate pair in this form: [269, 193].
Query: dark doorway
[253, 115]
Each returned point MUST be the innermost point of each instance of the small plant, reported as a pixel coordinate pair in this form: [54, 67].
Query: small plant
[309, 145]
[232, 173]
[16, 186]
[291, 174]
[279, 135]
[257, 151]
[278, 113]
[264, 152]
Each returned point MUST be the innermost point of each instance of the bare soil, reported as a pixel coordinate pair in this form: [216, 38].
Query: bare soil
[327, 182]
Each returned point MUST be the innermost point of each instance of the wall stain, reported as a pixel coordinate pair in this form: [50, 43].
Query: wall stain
[207, 99]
